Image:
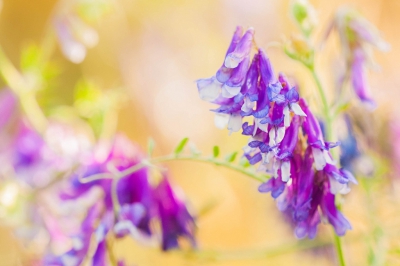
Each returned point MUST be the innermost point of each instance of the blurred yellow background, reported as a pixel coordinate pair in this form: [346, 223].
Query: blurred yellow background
[156, 50]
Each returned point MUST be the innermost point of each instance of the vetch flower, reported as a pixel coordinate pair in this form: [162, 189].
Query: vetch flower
[315, 138]
[304, 178]
[231, 75]
[358, 36]
[176, 220]
[134, 188]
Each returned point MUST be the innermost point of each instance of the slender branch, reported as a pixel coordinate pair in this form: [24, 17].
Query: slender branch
[326, 110]
[16, 82]
[173, 157]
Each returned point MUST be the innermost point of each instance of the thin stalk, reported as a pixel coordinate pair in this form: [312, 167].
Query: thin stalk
[326, 110]
[339, 250]
[173, 157]
[228, 165]
[16, 82]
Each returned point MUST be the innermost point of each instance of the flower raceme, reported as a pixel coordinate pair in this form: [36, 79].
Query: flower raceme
[140, 204]
[285, 138]
[358, 36]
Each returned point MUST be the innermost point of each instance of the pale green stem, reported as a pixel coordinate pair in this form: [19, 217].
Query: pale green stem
[117, 176]
[173, 157]
[339, 249]
[325, 105]
[17, 84]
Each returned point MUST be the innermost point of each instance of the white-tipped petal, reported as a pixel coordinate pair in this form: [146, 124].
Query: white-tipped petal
[319, 158]
[297, 109]
[272, 134]
[231, 61]
[336, 187]
[230, 92]
[328, 157]
[248, 105]
[285, 171]
[286, 113]
[280, 134]
[235, 123]
[209, 89]
[221, 120]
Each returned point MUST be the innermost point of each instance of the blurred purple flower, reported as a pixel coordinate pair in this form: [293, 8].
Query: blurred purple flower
[358, 36]
[176, 220]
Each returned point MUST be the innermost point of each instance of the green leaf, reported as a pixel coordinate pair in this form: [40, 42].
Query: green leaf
[215, 151]
[150, 146]
[181, 146]
[231, 157]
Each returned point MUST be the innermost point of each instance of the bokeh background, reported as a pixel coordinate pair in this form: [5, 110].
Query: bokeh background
[156, 50]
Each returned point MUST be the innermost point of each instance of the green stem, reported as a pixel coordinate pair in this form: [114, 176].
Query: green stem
[116, 176]
[339, 250]
[326, 110]
[228, 165]
[16, 82]
[173, 157]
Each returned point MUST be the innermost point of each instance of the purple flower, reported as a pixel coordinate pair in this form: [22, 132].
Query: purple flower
[176, 220]
[358, 37]
[134, 188]
[231, 76]
[315, 138]
[80, 242]
[290, 98]
[304, 176]
[359, 79]
[228, 88]
[129, 221]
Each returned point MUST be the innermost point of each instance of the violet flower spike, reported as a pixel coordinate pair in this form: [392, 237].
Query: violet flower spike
[358, 37]
[286, 148]
[359, 79]
[176, 220]
[228, 79]
[313, 131]
[241, 51]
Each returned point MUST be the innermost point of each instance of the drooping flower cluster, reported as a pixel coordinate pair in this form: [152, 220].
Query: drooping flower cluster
[285, 137]
[139, 203]
[74, 214]
[31, 164]
[358, 36]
